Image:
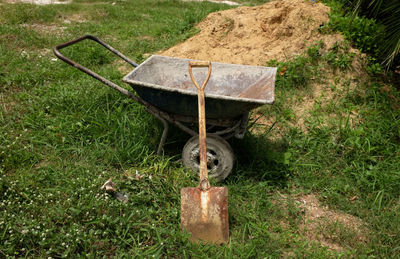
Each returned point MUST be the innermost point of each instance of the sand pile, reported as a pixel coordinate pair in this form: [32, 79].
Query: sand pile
[254, 35]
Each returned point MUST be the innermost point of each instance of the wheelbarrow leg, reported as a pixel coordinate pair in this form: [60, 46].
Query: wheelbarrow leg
[163, 136]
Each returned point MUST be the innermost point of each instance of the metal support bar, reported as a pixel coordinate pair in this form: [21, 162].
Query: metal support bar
[163, 136]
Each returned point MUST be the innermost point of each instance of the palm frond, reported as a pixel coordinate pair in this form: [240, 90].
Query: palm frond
[388, 13]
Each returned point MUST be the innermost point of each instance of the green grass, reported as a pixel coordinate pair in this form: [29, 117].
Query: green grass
[63, 134]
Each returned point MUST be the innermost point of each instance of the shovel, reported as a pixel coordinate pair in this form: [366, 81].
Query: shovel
[204, 209]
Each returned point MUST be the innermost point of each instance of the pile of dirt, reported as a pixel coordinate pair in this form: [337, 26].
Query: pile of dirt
[253, 35]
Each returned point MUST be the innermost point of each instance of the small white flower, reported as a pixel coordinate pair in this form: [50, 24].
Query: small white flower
[24, 54]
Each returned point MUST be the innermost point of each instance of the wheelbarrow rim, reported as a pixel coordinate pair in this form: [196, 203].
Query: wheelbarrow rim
[130, 81]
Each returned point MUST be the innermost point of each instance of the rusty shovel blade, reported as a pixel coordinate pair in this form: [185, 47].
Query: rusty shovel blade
[204, 214]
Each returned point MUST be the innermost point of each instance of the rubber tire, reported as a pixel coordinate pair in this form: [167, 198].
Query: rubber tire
[220, 156]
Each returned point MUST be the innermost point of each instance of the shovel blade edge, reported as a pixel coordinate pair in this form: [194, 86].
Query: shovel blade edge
[204, 214]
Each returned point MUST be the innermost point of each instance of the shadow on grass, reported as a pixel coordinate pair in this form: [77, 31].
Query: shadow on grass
[260, 159]
[257, 158]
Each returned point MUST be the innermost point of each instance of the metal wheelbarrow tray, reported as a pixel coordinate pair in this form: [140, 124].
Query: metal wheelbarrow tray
[232, 91]
[164, 87]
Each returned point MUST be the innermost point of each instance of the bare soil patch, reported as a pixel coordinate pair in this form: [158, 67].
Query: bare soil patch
[330, 228]
[6, 106]
[336, 230]
[74, 18]
[123, 67]
[45, 28]
[8, 100]
[39, 2]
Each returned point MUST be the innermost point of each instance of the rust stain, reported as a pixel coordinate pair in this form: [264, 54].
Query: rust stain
[213, 228]
[262, 89]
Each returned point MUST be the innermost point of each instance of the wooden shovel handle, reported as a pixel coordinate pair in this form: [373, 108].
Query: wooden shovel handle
[200, 64]
[204, 183]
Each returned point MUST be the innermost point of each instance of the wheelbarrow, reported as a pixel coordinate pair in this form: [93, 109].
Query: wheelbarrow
[163, 86]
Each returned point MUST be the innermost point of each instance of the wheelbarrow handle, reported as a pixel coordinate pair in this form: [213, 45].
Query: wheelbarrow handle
[90, 37]
[57, 52]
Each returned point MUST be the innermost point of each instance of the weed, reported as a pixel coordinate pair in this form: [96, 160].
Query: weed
[296, 73]
[373, 68]
[339, 57]
[229, 25]
[314, 52]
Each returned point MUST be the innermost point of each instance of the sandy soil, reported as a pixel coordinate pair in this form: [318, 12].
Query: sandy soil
[254, 35]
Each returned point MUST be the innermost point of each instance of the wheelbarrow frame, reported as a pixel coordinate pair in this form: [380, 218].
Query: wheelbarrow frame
[231, 127]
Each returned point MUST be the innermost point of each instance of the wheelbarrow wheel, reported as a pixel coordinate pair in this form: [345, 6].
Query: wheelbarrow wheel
[220, 156]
